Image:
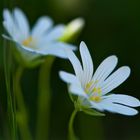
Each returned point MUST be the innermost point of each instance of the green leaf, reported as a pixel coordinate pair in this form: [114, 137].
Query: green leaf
[92, 112]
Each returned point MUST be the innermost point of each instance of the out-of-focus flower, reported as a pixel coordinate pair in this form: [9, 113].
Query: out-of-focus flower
[93, 91]
[42, 40]
[73, 29]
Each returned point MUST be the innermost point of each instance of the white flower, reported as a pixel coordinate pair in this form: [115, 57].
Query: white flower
[93, 91]
[40, 41]
[73, 29]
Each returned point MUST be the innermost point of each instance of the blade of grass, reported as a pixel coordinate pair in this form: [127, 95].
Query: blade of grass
[10, 107]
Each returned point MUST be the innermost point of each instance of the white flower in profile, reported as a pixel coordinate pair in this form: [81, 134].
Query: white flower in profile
[73, 29]
[94, 90]
[42, 40]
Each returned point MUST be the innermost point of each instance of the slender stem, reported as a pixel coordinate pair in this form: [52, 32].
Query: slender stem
[71, 135]
[21, 114]
[11, 109]
[44, 100]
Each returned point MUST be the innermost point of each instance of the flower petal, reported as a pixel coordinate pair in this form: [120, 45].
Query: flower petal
[114, 80]
[104, 69]
[117, 108]
[41, 27]
[9, 24]
[7, 16]
[72, 29]
[75, 63]
[55, 33]
[21, 22]
[77, 90]
[27, 53]
[123, 99]
[68, 77]
[96, 106]
[56, 49]
[87, 62]
[7, 37]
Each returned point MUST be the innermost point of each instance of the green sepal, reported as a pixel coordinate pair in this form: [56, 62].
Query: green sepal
[73, 97]
[23, 60]
[92, 112]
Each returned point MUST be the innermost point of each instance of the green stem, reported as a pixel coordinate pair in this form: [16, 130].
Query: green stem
[21, 114]
[71, 135]
[44, 99]
[11, 109]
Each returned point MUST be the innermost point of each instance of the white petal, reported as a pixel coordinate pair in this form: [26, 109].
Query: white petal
[56, 49]
[75, 63]
[117, 108]
[77, 90]
[7, 37]
[123, 99]
[115, 79]
[75, 25]
[42, 26]
[87, 62]
[22, 22]
[68, 77]
[73, 28]
[27, 54]
[104, 69]
[55, 33]
[96, 106]
[7, 16]
[8, 23]
[7, 28]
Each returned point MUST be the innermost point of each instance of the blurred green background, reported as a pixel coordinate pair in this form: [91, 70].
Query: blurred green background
[112, 27]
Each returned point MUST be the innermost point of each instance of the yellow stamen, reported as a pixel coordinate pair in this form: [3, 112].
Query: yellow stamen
[88, 85]
[97, 90]
[95, 98]
[27, 41]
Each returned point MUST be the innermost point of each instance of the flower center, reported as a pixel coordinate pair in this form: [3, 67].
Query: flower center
[97, 90]
[27, 41]
[95, 93]
[95, 98]
[88, 85]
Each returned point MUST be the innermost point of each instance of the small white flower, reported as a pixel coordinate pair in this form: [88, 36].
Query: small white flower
[93, 91]
[73, 29]
[42, 40]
